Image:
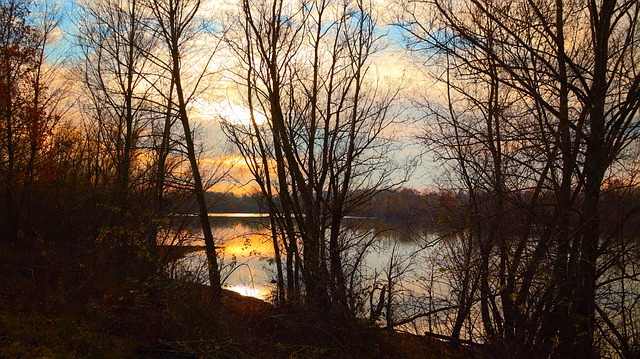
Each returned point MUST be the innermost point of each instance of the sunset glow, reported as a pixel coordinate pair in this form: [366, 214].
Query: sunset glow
[228, 111]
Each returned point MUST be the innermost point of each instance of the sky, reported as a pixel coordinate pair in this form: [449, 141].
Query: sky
[221, 100]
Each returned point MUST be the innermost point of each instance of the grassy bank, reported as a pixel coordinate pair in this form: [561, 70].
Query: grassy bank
[53, 306]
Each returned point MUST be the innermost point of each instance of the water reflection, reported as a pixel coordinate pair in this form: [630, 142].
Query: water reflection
[246, 252]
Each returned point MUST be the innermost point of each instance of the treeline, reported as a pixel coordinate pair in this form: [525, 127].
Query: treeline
[409, 206]
[221, 202]
[445, 211]
[96, 150]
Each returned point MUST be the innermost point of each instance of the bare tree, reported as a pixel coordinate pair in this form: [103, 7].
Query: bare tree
[114, 40]
[324, 147]
[176, 24]
[562, 101]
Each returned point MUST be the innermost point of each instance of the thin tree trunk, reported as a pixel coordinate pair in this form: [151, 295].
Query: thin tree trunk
[199, 191]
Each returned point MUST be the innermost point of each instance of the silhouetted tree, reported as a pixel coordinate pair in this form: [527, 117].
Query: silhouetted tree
[28, 116]
[324, 146]
[541, 102]
[176, 24]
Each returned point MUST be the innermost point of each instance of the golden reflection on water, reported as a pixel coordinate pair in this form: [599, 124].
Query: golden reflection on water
[246, 254]
[259, 292]
[249, 249]
[249, 244]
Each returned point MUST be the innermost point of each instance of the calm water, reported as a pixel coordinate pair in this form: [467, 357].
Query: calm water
[420, 266]
[246, 250]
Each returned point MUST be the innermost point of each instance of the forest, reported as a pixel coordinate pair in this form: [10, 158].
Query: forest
[120, 120]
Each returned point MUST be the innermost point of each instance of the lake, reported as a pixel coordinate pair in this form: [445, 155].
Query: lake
[246, 252]
[413, 258]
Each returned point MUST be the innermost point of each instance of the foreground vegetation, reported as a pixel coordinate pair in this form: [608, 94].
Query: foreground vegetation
[54, 306]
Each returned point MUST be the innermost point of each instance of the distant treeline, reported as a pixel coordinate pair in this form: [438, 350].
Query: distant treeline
[438, 209]
[405, 205]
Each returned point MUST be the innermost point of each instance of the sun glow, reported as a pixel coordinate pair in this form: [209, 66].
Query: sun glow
[232, 113]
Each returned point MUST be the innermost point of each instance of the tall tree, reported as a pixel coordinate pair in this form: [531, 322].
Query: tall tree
[566, 70]
[114, 41]
[324, 147]
[28, 111]
[176, 24]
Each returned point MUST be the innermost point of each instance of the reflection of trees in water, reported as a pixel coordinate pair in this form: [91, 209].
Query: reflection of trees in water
[374, 256]
[410, 279]
[244, 251]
